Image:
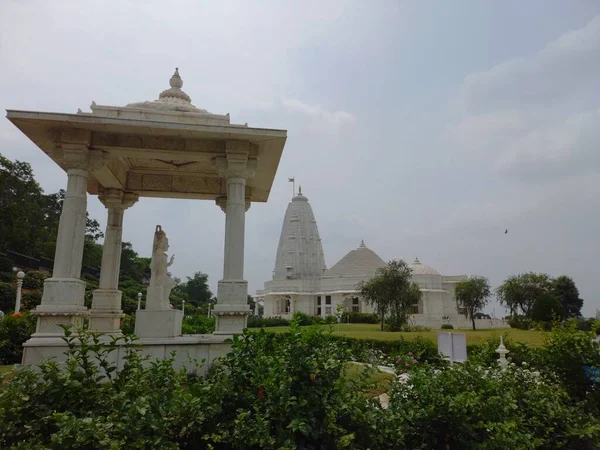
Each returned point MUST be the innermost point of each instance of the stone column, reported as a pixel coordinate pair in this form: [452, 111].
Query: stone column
[106, 313]
[232, 308]
[63, 296]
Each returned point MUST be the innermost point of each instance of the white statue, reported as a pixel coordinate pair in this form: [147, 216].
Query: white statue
[161, 283]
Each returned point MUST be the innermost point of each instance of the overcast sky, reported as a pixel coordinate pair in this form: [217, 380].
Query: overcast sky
[425, 128]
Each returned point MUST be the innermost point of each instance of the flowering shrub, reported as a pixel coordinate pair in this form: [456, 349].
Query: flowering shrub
[405, 363]
[466, 407]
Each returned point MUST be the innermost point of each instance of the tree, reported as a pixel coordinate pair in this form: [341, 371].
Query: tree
[567, 293]
[520, 292]
[473, 294]
[197, 289]
[392, 292]
[547, 307]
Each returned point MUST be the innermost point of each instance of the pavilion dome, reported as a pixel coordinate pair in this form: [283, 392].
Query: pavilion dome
[172, 99]
[300, 251]
[418, 268]
[361, 262]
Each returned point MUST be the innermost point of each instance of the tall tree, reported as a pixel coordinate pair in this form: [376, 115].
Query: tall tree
[473, 294]
[565, 290]
[21, 202]
[197, 289]
[392, 292]
[518, 293]
[547, 307]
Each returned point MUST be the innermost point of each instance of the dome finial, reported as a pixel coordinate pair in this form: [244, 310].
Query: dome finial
[300, 190]
[362, 244]
[417, 261]
[176, 81]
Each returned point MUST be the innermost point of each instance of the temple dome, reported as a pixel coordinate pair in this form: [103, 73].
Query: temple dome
[361, 262]
[300, 252]
[418, 268]
[172, 99]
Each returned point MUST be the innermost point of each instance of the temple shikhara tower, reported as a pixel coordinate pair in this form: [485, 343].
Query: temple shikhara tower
[301, 281]
[165, 148]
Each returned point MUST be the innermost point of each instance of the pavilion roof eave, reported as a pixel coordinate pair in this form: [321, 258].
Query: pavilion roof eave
[99, 123]
[41, 127]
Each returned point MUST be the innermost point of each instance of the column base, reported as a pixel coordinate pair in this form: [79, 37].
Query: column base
[158, 323]
[232, 309]
[62, 304]
[106, 313]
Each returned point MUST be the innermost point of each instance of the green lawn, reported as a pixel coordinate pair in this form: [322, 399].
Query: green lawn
[372, 331]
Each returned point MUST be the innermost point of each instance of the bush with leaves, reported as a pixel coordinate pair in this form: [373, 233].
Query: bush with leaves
[267, 393]
[14, 331]
[358, 317]
[198, 324]
[8, 294]
[467, 407]
[259, 322]
[34, 280]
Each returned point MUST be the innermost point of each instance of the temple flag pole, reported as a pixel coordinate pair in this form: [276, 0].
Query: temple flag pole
[293, 181]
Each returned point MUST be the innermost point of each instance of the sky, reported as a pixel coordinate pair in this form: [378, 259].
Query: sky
[426, 128]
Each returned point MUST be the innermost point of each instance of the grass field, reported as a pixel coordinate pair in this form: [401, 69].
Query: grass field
[372, 331]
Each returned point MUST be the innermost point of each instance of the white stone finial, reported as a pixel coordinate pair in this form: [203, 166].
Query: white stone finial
[176, 81]
[362, 244]
[417, 261]
[502, 351]
[300, 190]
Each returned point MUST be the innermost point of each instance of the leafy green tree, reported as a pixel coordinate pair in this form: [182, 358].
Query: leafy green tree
[196, 287]
[547, 307]
[473, 294]
[519, 292]
[565, 290]
[21, 201]
[132, 265]
[392, 292]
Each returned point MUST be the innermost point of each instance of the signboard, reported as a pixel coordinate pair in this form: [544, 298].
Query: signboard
[453, 346]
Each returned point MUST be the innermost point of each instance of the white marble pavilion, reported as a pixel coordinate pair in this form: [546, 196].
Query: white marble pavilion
[162, 148]
[301, 281]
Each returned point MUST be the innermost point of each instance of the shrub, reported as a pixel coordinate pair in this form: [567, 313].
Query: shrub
[31, 299]
[567, 353]
[267, 393]
[414, 328]
[8, 296]
[34, 280]
[198, 324]
[358, 317]
[128, 324]
[468, 408]
[447, 326]
[14, 331]
[259, 322]
[303, 319]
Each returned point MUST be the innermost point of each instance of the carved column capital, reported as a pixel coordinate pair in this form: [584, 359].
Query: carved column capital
[116, 198]
[221, 202]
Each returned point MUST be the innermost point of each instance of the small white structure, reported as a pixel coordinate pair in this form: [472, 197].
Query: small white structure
[164, 148]
[502, 351]
[452, 346]
[301, 281]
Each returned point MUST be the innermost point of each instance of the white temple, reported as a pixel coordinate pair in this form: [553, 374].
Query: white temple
[302, 282]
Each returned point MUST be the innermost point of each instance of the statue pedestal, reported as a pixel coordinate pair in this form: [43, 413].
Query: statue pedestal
[158, 323]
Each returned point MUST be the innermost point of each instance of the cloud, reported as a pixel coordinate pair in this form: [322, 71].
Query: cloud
[319, 119]
[565, 70]
[536, 117]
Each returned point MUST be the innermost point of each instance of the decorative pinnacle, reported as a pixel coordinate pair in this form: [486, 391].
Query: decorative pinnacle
[417, 261]
[300, 190]
[362, 244]
[176, 81]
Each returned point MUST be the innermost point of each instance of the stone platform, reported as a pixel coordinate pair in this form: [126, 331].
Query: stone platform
[188, 349]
